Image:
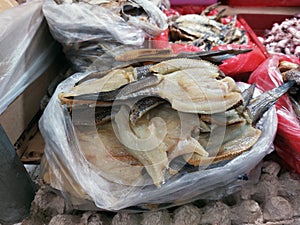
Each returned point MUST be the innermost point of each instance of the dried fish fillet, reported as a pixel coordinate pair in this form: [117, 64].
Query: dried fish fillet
[108, 156]
[157, 138]
[237, 139]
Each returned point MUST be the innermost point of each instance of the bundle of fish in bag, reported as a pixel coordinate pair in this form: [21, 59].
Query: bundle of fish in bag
[89, 28]
[158, 131]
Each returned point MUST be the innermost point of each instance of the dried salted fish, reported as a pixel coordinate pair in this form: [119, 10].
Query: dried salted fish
[205, 31]
[193, 92]
[158, 55]
[190, 85]
[143, 106]
[158, 138]
[176, 109]
[147, 147]
[239, 136]
[102, 146]
[108, 84]
[237, 139]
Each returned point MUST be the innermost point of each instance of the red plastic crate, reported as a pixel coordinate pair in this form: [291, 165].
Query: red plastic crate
[264, 2]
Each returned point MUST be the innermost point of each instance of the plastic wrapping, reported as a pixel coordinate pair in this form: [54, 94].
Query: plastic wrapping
[85, 30]
[27, 49]
[266, 77]
[69, 167]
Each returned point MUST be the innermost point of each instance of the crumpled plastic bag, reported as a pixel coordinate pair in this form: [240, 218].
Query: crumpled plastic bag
[27, 49]
[266, 77]
[86, 30]
[72, 165]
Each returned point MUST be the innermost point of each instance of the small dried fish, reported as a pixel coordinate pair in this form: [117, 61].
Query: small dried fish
[199, 19]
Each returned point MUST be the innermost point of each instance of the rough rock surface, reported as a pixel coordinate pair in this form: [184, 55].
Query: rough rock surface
[187, 215]
[247, 212]
[277, 208]
[274, 199]
[216, 213]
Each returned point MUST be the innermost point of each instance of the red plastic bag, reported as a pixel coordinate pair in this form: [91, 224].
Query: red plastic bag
[240, 66]
[266, 77]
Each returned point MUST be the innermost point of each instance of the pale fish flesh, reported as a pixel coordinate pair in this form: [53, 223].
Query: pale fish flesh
[237, 138]
[157, 138]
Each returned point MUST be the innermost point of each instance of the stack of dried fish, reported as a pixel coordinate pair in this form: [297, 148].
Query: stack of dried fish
[161, 116]
[205, 31]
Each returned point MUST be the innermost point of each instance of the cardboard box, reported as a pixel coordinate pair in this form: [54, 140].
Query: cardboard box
[29, 61]
[23, 109]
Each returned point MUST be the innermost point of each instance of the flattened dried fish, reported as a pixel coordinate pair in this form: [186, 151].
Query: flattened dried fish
[147, 147]
[193, 92]
[205, 31]
[173, 65]
[102, 146]
[157, 138]
[158, 55]
[237, 139]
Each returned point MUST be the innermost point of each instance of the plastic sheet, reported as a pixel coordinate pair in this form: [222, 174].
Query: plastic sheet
[69, 166]
[85, 30]
[266, 77]
[27, 49]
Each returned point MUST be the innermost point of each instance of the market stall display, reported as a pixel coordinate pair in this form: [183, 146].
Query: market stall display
[155, 116]
[122, 133]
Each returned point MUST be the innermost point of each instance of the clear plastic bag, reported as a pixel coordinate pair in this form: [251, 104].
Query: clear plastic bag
[83, 29]
[71, 166]
[27, 49]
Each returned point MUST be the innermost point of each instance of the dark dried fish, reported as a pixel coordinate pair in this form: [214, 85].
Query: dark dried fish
[258, 106]
[143, 106]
